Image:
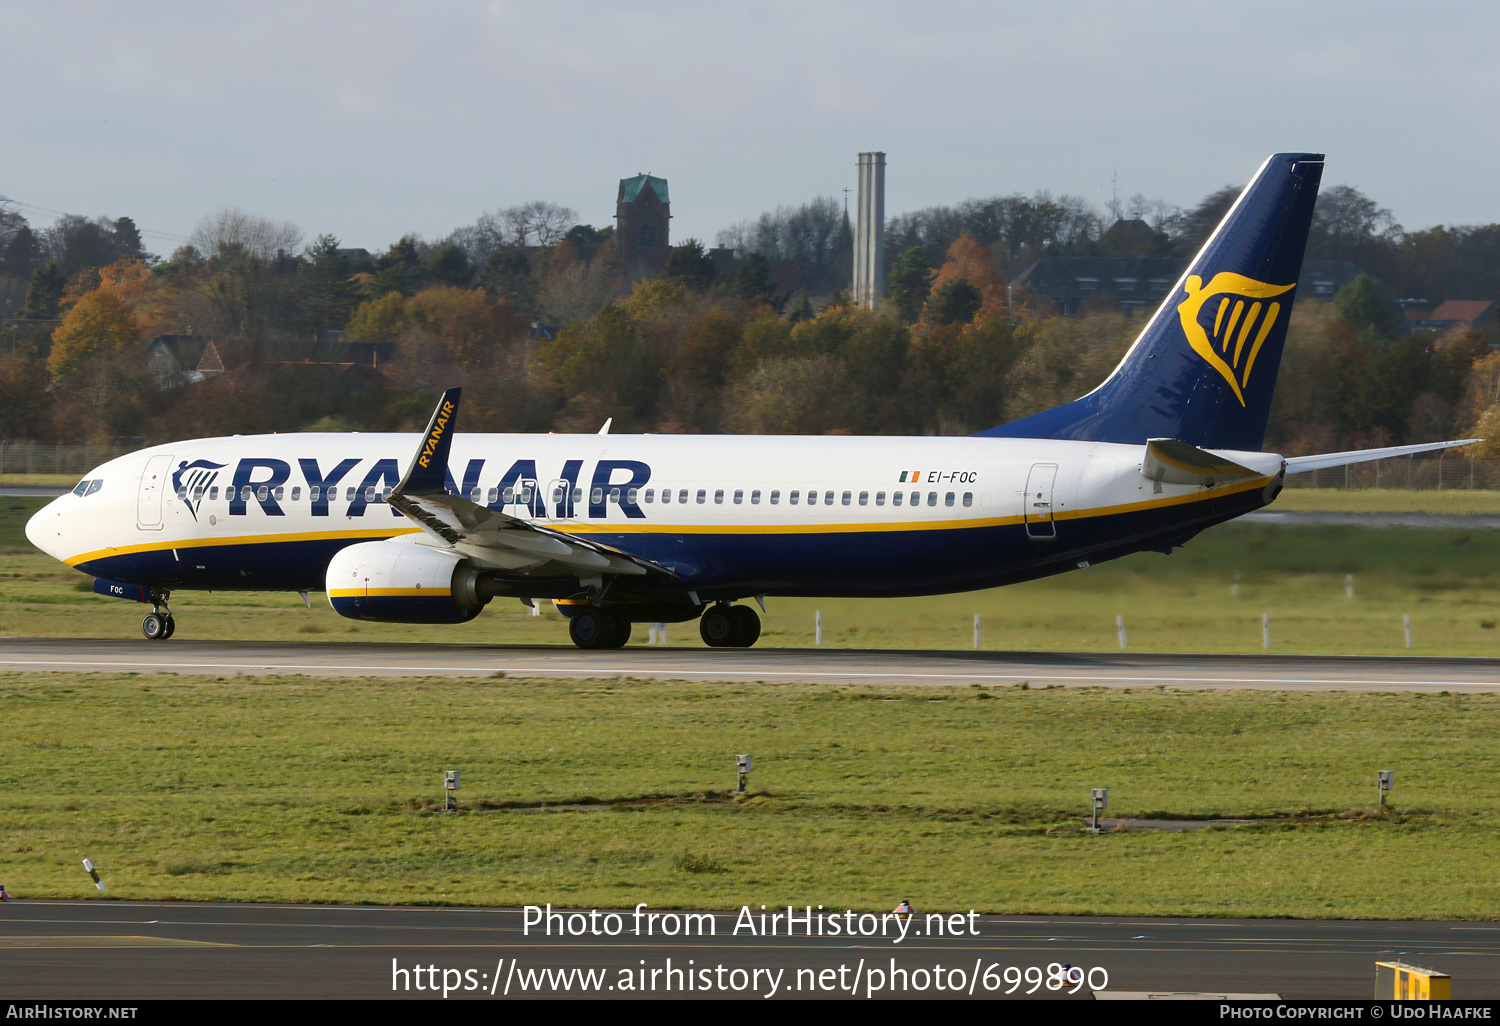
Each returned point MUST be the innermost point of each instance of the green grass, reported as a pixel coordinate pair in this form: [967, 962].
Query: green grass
[41, 480]
[1185, 602]
[301, 789]
[1386, 500]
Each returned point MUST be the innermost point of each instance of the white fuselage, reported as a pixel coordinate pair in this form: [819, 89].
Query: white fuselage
[729, 515]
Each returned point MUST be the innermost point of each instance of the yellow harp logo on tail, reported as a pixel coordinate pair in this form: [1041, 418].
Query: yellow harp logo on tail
[1242, 318]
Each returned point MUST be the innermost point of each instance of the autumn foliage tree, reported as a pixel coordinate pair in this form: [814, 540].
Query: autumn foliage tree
[100, 322]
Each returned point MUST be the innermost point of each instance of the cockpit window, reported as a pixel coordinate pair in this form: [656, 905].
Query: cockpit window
[95, 485]
[88, 487]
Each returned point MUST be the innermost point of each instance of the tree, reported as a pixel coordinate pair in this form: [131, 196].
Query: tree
[753, 284]
[230, 234]
[45, 294]
[128, 238]
[688, 265]
[545, 222]
[450, 265]
[816, 235]
[909, 282]
[956, 301]
[1365, 304]
[19, 246]
[329, 294]
[78, 243]
[1198, 224]
[100, 322]
[1346, 223]
[965, 285]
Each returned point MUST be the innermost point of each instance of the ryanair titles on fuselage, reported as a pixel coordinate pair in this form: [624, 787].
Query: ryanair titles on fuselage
[262, 480]
[269, 483]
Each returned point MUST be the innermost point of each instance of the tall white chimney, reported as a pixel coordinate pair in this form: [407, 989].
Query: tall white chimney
[869, 232]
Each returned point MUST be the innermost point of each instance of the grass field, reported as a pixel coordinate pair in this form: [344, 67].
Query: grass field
[610, 792]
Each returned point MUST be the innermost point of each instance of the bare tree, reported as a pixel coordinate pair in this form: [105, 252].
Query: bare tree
[232, 232]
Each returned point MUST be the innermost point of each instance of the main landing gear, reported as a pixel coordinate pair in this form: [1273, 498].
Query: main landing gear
[726, 626]
[721, 626]
[596, 627]
[159, 624]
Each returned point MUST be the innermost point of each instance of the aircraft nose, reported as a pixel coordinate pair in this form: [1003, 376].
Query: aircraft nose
[41, 529]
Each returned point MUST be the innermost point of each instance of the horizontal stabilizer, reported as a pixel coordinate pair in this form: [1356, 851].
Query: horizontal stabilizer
[1302, 464]
[1173, 462]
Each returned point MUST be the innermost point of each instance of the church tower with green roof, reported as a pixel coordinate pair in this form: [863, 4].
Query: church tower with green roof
[642, 213]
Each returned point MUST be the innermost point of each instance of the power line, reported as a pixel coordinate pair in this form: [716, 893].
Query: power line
[165, 236]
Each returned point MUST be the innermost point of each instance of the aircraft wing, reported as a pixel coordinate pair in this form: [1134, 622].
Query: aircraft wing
[505, 541]
[1302, 464]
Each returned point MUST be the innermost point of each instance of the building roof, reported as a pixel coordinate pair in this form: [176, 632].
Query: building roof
[1460, 310]
[630, 188]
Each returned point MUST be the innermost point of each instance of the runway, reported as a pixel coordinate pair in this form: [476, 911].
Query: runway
[832, 666]
[143, 951]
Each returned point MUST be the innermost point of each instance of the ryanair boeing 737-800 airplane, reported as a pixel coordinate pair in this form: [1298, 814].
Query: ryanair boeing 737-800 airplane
[622, 529]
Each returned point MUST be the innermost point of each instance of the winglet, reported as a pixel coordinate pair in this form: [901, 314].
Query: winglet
[428, 470]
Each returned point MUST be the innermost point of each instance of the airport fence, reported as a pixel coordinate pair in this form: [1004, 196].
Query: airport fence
[1426, 473]
[28, 457]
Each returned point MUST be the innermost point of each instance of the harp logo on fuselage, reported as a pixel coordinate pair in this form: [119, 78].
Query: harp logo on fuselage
[1229, 333]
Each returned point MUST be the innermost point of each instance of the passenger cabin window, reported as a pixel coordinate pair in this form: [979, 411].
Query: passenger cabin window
[650, 493]
[848, 497]
[948, 499]
[793, 497]
[812, 498]
[775, 497]
[682, 495]
[702, 496]
[864, 498]
[719, 496]
[666, 495]
[880, 498]
[968, 498]
[739, 496]
[895, 498]
[932, 498]
[828, 498]
[755, 497]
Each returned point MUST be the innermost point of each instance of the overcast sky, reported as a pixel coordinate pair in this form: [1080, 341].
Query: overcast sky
[368, 120]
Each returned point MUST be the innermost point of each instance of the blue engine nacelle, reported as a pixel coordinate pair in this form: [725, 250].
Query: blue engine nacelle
[399, 582]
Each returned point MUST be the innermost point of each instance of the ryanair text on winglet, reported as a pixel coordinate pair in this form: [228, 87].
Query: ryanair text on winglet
[435, 435]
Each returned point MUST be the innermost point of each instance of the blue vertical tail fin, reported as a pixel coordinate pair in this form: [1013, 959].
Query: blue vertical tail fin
[1204, 368]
